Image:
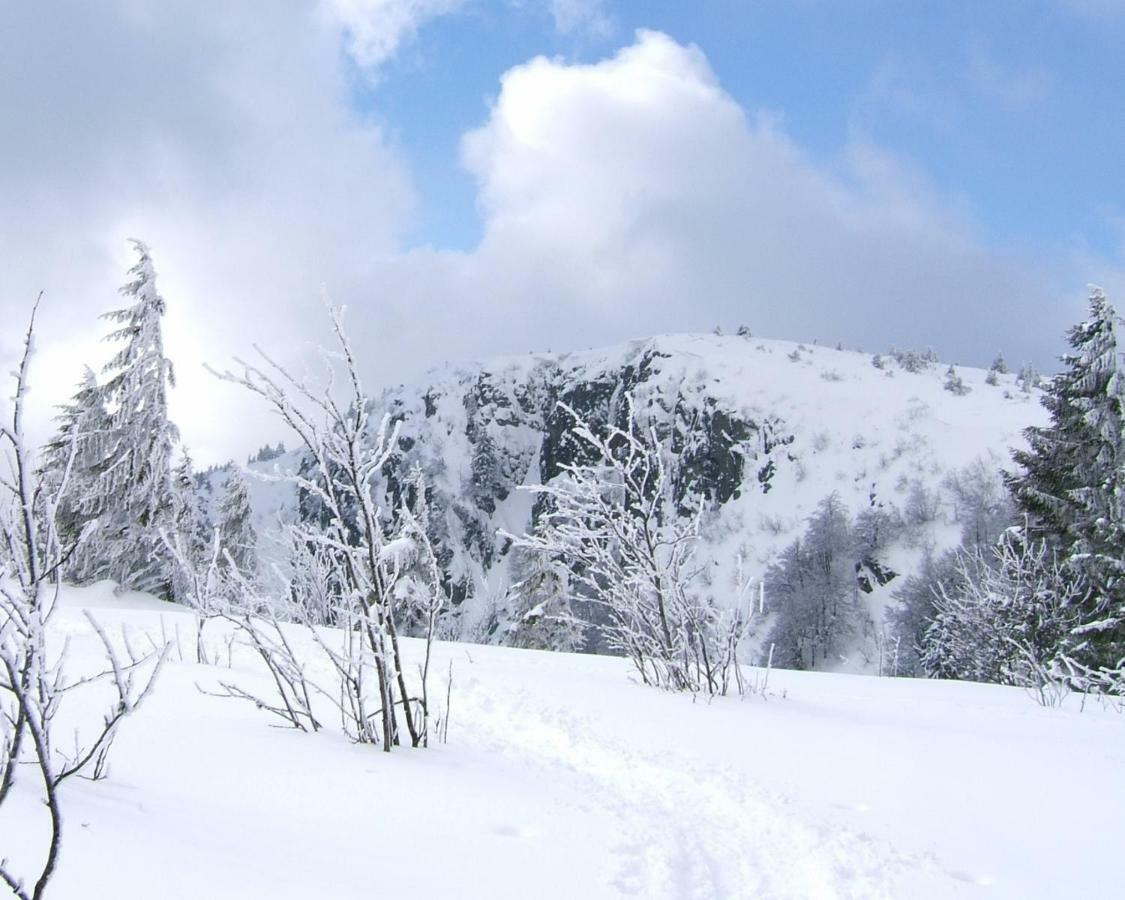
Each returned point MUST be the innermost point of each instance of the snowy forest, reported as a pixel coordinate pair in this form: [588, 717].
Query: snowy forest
[626, 547]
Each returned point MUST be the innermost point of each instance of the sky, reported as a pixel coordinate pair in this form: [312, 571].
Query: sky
[483, 177]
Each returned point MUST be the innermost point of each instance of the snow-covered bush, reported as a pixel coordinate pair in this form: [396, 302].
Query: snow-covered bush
[913, 360]
[345, 451]
[630, 548]
[1007, 618]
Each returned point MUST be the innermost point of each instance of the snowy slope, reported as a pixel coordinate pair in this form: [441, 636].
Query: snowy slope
[563, 779]
[771, 429]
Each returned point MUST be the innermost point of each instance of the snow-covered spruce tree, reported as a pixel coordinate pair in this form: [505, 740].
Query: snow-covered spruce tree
[77, 451]
[999, 367]
[914, 611]
[813, 592]
[345, 451]
[541, 616]
[631, 549]
[135, 487]
[954, 383]
[1072, 487]
[1028, 378]
[236, 528]
[191, 533]
[34, 681]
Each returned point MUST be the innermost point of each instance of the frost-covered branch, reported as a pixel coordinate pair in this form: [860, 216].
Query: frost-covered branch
[345, 450]
[33, 683]
[629, 548]
[1005, 617]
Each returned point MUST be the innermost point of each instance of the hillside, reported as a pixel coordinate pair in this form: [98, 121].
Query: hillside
[768, 429]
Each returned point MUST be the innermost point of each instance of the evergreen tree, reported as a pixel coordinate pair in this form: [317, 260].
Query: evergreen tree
[1028, 378]
[813, 590]
[1072, 489]
[542, 612]
[236, 530]
[135, 485]
[76, 453]
[191, 528]
[954, 384]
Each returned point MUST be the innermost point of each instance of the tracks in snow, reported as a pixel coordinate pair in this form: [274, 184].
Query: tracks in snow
[688, 833]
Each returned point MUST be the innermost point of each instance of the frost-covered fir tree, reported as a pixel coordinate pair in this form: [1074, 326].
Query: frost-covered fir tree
[954, 383]
[813, 590]
[539, 603]
[135, 484]
[79, 447]
[236, 530]
[1028, 378]
[191, 535]
[1072, 487]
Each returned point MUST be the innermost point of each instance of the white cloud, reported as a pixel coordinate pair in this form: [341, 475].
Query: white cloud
[376, 29]
[581, 17]
[618, 200]
[903, 88]
[635, 196]
[235, 159]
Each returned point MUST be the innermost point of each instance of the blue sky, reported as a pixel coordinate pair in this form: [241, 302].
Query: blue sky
[1013, 106]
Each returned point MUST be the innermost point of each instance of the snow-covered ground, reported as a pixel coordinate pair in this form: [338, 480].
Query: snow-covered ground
[563, 778]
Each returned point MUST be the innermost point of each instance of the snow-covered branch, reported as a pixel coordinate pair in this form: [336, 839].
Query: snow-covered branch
[345, 450]
[630, 549]
[34, 682]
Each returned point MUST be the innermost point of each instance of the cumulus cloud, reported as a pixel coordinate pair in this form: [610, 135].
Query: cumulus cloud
[581, 16]
[618, 199]
[235, 158]
[376, 29]
[635, 195]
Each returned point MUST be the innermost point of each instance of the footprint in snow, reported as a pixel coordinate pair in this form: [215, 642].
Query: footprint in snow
[968, 878]
[853, 807]
[522, 832]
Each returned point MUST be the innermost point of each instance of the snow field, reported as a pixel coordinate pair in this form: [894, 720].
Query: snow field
[562, 778]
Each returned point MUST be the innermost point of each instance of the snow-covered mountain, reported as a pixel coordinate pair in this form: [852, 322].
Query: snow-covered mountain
[768, 429]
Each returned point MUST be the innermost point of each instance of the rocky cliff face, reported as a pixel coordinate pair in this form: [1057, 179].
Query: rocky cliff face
[765, 429]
